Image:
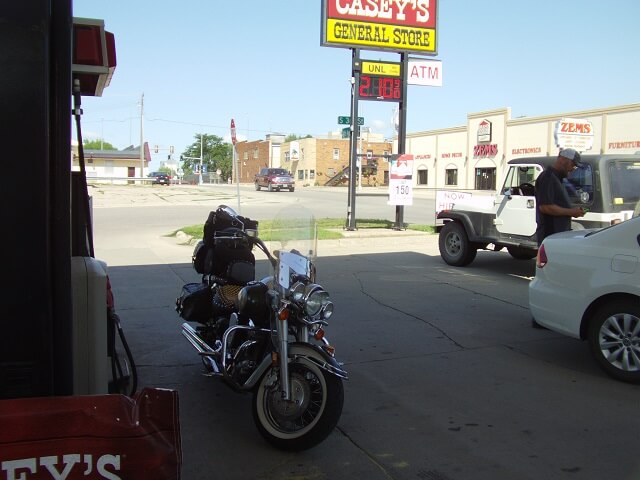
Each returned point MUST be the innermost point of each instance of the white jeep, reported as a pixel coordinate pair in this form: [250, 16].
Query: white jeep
[608, 185]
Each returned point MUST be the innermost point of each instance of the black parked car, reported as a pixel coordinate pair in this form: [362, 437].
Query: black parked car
[160, 178]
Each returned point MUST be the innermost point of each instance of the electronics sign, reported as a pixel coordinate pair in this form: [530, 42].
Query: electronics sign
[407, 26]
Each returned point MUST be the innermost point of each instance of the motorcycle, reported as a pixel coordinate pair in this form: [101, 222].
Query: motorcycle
[266, 337]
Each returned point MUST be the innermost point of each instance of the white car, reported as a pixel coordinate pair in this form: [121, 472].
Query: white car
[587, 286]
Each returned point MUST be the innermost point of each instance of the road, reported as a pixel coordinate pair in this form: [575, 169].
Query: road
[324, 202]
[448, 381]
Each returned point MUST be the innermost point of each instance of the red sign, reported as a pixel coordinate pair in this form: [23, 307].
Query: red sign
[233, 132]
[91, 436]
[419, 13]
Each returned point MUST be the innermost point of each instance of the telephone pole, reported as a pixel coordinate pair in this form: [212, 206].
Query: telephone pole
[142, 137]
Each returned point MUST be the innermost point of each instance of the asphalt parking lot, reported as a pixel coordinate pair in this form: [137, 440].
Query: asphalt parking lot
[447, 378]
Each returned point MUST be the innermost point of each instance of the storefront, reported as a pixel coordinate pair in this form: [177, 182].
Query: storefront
[474, 157]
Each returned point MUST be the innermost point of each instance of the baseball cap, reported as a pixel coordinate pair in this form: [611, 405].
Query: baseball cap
[572, 155]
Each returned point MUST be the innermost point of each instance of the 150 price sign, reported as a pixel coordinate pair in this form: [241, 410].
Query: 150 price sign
[401, 180]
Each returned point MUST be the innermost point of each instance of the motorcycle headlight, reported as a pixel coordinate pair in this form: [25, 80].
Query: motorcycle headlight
[328, 310]
[315, 302]
[297, 292]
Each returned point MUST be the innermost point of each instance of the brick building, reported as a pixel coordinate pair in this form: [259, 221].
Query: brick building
[315, 161]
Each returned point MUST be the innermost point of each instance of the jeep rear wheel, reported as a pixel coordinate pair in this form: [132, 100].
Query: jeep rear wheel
[454, 244]
[257, 187]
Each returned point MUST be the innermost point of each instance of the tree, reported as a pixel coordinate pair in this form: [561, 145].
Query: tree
[292, 137]
[216, 154]
[97, 144]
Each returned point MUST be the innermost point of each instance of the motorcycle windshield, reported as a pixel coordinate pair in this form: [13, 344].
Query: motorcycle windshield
[294, 237]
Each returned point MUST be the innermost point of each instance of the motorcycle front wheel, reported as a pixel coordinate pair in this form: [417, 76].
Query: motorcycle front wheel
[308, 417]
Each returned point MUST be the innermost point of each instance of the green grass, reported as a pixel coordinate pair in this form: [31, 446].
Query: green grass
[328, 228]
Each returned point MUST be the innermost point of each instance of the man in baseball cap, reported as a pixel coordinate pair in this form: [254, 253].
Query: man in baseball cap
[571, 154]
[553, 207]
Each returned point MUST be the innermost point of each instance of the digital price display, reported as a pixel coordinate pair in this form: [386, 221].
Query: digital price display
[381, 88]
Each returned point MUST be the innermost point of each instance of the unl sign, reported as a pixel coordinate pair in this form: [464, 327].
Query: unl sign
[392, 25]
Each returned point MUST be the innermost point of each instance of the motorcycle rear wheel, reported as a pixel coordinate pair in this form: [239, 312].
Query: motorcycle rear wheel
[313, 412]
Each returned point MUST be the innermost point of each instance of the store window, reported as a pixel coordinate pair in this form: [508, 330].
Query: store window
[245, 155]
[423, 177]
[336, 154]
[485, 179]
[300, 174]
[287, 156]
[312, 174]
[451, 176]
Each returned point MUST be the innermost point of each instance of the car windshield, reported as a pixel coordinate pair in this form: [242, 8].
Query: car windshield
[624, 177]
[279, 171]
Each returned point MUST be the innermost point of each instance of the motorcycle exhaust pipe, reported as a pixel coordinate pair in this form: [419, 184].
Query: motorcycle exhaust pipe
[201, 346]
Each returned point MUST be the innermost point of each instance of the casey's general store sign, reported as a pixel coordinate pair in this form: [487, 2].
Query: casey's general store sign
[393, 25]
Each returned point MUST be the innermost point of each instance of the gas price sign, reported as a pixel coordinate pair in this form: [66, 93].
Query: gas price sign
[381, 88]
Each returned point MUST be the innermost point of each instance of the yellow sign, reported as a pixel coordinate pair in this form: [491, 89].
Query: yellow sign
[379, 68]
[378, 35]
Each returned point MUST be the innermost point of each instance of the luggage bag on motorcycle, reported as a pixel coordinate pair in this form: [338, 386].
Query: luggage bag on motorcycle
[220, 219]
[194, 302]
[223, 245]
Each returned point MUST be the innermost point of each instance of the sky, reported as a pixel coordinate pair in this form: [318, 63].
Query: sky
[201, 63]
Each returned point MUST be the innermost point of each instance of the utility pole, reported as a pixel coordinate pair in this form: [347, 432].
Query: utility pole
[201, 142]
[142, 137]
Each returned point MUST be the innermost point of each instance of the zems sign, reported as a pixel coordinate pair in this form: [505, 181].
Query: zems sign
[425, 72]
[574, 133]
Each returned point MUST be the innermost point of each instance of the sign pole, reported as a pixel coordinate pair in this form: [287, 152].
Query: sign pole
[402, 132]
[234, 161]
[353, 144]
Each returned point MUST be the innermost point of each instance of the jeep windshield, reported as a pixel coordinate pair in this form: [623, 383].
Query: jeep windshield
[278, 171]
[579, 184]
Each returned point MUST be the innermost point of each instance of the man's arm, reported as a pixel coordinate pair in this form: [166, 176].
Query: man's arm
[558, 211]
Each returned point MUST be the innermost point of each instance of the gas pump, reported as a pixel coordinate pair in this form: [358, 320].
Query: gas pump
[102, 360]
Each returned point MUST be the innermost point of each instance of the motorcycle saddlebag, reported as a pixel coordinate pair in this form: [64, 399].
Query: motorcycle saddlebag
[195, 302]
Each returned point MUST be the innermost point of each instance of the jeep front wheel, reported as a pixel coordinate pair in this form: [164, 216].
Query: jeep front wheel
[454, 244]
[257, 187]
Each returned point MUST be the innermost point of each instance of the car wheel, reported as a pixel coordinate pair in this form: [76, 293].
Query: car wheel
[292, 189]
[270, 188]
[614, 338]
[257, 187]
[520, 253]
[455, 247]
